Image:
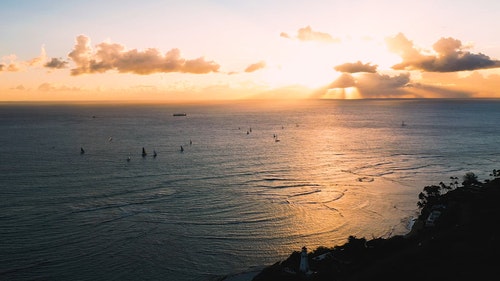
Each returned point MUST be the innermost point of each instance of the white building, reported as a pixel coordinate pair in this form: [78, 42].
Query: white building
[304, 263]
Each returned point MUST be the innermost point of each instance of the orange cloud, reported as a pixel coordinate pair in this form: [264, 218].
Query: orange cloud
[307, 34]
[112, 56]
[356, 67]
[48, 87]
[449, 56]
[285, 35]
[38, 61]
[477, 84]
[255, 66]
[14, 65]
[10, 64]
[19, 88]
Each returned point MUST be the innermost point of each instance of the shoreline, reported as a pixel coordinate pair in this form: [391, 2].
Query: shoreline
[453, 238]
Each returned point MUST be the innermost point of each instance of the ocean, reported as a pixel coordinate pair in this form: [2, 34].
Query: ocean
[255, 181]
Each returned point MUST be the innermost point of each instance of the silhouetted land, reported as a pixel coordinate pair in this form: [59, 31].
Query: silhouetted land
[461, 244]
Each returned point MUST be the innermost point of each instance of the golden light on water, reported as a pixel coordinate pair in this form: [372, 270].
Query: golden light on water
[320, 194]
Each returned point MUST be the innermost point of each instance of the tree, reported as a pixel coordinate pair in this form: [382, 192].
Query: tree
[470, 179]
[430, 195]
[495, 174]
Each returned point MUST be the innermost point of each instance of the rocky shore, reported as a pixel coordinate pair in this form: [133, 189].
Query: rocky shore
[455, 237]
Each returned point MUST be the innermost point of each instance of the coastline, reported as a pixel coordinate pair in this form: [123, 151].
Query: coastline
[453, 238]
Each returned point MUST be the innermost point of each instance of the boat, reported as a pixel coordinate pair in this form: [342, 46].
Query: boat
[154, 153]
[179, 114]
[82, 151]
[144, 152]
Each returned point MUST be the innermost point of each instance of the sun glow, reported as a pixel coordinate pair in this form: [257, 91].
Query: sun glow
[342, 93]
[267, 51]
[298, 63]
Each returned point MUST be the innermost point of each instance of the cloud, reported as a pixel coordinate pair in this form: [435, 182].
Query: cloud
[14, 65]
[344, 81]
[38, 61]
[356, 67]
[48, 87]
[19, 87]
[112, 56]
[373, 85]
[11, 67]
[56, 63]
[435, 91]
[255, 66]
[477, 84]
[285, 35]
[10, 64]
[431, 85]
[307, 34]
[376, 85]
[449, 56]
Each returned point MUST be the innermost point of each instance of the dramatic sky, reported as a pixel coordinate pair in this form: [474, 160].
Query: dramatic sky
[227, 49]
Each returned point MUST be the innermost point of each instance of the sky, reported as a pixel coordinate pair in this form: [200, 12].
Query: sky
[206, 50]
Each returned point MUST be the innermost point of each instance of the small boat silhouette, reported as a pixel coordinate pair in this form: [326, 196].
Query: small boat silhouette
[82, 151]
[144, 152]
[182, 149]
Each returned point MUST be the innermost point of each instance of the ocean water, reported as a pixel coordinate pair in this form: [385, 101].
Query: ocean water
[236, 198]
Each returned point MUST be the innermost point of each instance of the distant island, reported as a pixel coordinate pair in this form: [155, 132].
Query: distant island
[455, 237]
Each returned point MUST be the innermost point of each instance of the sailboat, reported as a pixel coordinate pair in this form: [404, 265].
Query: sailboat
[154, 153]
[144, 152]
[81, 150]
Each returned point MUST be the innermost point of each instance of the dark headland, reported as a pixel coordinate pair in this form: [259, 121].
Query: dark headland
[455, 237]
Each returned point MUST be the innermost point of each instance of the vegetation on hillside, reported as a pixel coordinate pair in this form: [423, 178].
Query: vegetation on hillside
[453, 238]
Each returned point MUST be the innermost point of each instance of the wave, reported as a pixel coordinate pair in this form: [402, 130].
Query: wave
[282, 186]
[304, 193]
